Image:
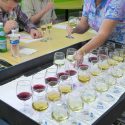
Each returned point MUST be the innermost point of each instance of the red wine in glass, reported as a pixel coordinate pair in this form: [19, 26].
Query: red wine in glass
[39, 88]
[61, 74]
[93, 59]
[71, 72]
[24, 96]
[52, 81]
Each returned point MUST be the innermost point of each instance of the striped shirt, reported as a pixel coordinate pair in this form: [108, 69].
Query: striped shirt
[32, 7]
[22, 19]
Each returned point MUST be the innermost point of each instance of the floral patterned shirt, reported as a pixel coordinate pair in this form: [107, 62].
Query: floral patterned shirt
[107, 9]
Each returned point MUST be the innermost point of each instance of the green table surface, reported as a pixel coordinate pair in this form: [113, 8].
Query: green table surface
[68, 4]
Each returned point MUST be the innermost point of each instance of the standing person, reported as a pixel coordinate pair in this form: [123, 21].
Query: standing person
[39, 11]
[7, 6]
[107, 17]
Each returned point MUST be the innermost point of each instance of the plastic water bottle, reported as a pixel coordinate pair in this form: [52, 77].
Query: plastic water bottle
[14, 41]
[3, 40]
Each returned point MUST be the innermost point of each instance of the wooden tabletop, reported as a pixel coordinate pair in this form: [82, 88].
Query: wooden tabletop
[58, 41]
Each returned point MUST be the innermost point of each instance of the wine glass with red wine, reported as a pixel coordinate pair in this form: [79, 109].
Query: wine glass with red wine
[24, 92]
[38, 83]
[51, 75]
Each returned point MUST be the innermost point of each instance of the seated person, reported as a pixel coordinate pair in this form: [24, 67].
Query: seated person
[39, 11]
[7, 6]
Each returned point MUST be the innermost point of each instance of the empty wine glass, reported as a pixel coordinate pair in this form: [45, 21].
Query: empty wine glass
[40, 104]
[72, 22]
[59, 58]
[110, 46]
[24, 92]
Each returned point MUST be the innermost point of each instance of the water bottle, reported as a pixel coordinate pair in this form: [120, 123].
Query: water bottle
[3, 40]
[14, 41]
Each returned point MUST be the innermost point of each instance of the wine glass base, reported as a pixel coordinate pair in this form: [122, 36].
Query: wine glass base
[70, 37]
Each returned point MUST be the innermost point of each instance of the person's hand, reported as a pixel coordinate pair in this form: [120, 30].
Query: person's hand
[9, 25]
[69, 30]
[35, 33]
[49, 6]
[78, 56]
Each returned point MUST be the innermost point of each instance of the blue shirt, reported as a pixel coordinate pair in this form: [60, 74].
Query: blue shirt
[107, 9]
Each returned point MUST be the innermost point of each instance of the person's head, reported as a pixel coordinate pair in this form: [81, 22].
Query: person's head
[8, 5]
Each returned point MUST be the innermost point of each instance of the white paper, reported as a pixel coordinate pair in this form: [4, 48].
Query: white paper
[26, 38]
[60, 26]
[27, 51]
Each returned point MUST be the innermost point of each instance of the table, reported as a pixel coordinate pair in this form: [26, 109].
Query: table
[59, 41]
[68, 5]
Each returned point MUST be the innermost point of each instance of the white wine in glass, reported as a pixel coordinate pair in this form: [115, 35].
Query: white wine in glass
[60, 112]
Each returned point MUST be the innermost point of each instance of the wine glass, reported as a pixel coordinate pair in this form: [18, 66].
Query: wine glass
[111, 61]
[74, 101]
[40, 104]
[70, 54]
[65, 85]
[60, 112]
[24, 92]
[72, 22]
[110, 46]
[51, 75]
[116, 72]
[53, 93]
[93, 59]
[83, 74]
[88, 96]
[49, 28]
[100, 84]
[44, 29]
[38, 83]
[59, 58]
[118, 55]
[103, 57]
[13, 16]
